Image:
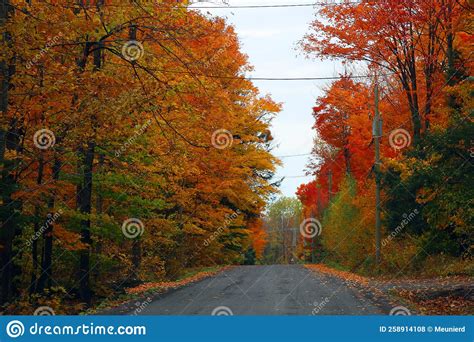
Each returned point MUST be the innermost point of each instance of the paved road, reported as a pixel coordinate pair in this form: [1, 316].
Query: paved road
[263, 290]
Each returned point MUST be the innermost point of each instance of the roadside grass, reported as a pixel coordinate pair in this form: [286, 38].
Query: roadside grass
[195, 270]
[413, 267]
[337, 266]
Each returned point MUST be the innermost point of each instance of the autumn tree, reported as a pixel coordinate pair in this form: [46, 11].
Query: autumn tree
[420, 54]
[404, 38]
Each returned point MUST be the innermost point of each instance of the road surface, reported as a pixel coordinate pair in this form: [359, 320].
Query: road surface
[262, 290]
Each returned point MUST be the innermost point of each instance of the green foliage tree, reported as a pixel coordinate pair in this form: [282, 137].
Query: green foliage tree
[439, 173]
[346, 236]
[282, 220]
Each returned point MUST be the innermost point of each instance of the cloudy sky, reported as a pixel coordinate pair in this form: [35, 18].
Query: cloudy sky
[269, 37]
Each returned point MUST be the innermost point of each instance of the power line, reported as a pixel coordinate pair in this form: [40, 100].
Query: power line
[314, 4]
[302, 78]
[294, 155]
[263, 78]
[224, 6]
[299, 176]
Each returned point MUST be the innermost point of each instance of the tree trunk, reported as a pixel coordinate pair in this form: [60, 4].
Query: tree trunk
[136, 256]
[46, 264]
[347, 159]
[136, 244]
[84, 190]
[430, 68]
[415, 108]
[85, 200]
[34, 242]
[99, 208]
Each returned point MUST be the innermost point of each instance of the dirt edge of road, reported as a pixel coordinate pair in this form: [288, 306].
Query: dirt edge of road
[361, 286]
[419, 296]
[146, 293]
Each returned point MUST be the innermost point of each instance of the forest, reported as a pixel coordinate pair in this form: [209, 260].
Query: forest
[419, 62]
[132, 149]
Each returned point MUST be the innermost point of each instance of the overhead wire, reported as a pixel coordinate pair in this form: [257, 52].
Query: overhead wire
[313, 4]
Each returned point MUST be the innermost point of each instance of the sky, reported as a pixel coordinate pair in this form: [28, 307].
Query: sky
[269, 36]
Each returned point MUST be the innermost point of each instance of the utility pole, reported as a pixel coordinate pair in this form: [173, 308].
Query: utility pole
[377, 133]
[313, 239]
[283, 233]
[319, 214]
